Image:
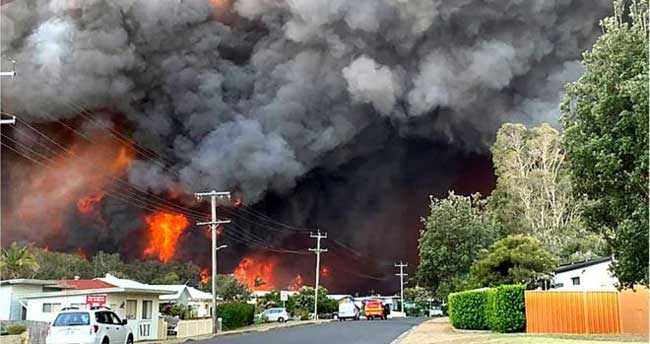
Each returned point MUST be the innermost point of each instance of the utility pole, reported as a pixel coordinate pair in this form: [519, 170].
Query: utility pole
[401, 275]
[318, 236]
[214, 223]
[11, 74]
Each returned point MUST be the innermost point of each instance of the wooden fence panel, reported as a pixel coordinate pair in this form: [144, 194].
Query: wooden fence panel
[634, 310]
[572, 312]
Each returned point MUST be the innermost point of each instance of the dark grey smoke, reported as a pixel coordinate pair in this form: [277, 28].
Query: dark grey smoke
[258, 103]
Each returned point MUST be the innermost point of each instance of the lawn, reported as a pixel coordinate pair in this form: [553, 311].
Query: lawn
[440, 332]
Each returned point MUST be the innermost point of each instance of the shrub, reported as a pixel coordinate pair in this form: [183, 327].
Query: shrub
[505, 308]
[236, 314]
[16, 329]
[467, 310]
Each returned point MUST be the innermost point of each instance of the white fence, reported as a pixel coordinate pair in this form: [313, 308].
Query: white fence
[190, 328]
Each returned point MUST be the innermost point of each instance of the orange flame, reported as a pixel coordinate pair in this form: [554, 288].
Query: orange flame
[296, 283]
[87, 205]
[164, 231]
[325, 272]
[205, 278]
[256, 274]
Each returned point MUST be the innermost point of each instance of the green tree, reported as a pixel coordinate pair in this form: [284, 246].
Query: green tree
[534, 194]
[231, 289]
[455, 230]
[419, 296]
[605, 114]
[305, 301]
[59, 265]
[17, 262]
[512, 260]
[108, 263]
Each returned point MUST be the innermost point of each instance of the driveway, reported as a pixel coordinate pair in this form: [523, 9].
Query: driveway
[358, 332]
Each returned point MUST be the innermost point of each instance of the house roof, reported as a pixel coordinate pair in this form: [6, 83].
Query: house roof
[582, 264]
[29, 281]
[133, 286]
[178, 289]
[84, 284]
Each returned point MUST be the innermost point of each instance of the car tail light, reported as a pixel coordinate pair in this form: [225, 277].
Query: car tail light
[49, 330]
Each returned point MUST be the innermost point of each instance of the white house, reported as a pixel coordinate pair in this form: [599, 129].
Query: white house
[131, 300]
[199, 301]
[11, 292]
[592, 274]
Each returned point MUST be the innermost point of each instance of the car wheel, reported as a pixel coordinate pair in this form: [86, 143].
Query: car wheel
[105, 340]
[129, 340]
[280, 319]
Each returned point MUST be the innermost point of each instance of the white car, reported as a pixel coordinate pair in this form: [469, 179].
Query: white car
[275, 314]
[435, 311]
[348, 310]
[96, 326]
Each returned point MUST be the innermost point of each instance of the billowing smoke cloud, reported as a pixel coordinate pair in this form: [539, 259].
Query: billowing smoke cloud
[259, 102]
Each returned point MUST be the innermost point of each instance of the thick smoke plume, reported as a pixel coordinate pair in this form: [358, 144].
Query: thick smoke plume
[259, 101]
[356, 100]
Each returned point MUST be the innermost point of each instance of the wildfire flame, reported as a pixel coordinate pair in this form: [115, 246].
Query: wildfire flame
[87, 205]
[164, 231]
[296, 283]
[325, 272]
[257, 274]
[205, 277]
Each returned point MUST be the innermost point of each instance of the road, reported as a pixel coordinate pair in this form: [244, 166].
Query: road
[353, 332]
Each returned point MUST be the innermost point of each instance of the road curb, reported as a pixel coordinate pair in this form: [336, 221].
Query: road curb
[406, 333]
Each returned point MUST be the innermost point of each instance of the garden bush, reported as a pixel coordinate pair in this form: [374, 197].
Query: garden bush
[236, 314]
[16, 329]
[467, 310]
[506, 309]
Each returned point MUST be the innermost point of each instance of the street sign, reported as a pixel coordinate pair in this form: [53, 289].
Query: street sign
[95, 300]
[284, 295]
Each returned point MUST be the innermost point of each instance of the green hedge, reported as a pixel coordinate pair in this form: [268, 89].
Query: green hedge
[467, 310]
[236, 314]
[506, 308]
[500, 309]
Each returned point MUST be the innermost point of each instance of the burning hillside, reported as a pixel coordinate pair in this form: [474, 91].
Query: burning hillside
[339, 115]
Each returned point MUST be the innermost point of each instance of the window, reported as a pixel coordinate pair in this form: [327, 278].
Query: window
[102, 318]
[51, 307]
[114, 318]
[146, 309]
[575, 280]
[131, 309]
[72, 319]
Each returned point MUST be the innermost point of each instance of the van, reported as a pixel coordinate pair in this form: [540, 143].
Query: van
[374, 309]
[348, 310]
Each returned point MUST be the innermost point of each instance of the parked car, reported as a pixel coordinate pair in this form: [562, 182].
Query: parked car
[435, 311]
[347, 310]
[374, 309]
[275, 314]
[95, 326]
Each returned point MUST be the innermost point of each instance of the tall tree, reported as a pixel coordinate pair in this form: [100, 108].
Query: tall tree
[454, 232]
[606, 137]
[59, 265]
[17, 261]
[513, 259]
[534, 191]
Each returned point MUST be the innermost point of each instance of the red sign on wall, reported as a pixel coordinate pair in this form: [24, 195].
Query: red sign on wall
[95, 300]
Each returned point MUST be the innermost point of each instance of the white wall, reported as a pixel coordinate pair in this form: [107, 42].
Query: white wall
[10, 307]
[5, 301]
[594, 277]
[35, 306]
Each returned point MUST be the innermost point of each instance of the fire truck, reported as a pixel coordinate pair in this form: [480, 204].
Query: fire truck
[374, 309]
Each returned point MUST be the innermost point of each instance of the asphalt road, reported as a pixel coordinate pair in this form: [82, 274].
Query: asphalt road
[352, 332]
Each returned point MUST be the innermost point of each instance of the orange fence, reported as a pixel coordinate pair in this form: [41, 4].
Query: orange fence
[587, 312]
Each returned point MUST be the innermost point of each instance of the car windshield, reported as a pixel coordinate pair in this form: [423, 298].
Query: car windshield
[72, 319]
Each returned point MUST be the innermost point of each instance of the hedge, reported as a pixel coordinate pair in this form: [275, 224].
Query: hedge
[467, 310]
[506, 308]
[236, 314]
[500, 309]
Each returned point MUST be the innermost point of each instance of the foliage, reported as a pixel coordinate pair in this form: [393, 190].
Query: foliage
[236, 314]
[57, 265]
[455, 230]
[419, 296]
[506, 309]
[16, 329]
[17, 261]
[605, 114]
[534, 194]
[231, 289]
[467, 310]
[305, 301]
[182, 311]
[513, 259]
